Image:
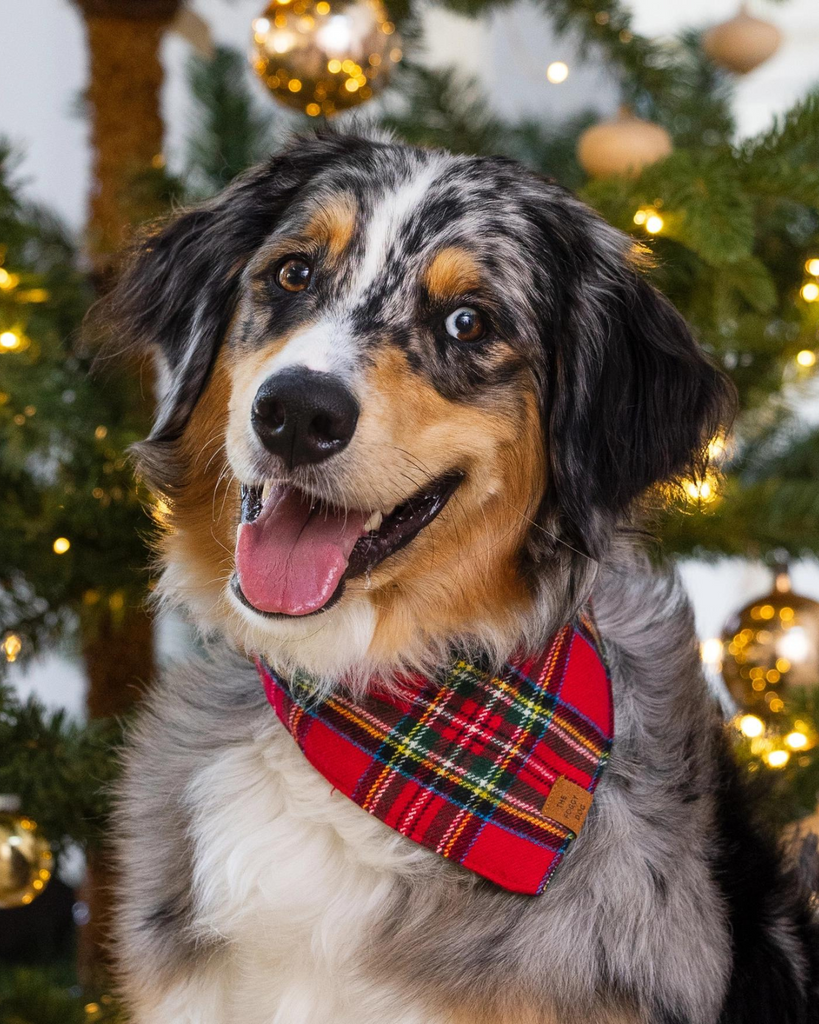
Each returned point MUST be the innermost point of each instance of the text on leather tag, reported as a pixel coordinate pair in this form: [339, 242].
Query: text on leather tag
[568, 803]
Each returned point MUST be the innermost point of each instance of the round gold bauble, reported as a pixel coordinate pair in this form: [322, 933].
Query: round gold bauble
[623, 146]
[770, 648]
[25, 860]
[322, 56]
[743, 43]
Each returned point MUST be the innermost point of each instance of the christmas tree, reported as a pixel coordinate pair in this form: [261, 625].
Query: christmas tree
[733, 231]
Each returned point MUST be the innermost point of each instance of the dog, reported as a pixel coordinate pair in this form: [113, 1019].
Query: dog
[412, 403]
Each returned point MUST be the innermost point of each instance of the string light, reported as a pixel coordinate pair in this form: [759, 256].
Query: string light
[806, 358]
[711, 651]
[61, 545]
[778, 758]
[12, 646]
[557, 72]
[810, 291]
[796, 740]
[8, 282]
[10, 341]
[33, 295]
[751, 726]
[702, 491]
[648, 218]
[812, 266]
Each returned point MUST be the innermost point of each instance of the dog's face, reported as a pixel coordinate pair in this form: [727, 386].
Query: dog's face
[400, 386]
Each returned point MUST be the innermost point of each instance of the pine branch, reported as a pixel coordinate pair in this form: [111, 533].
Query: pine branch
[443, 109]
[231, 132]
[60, 769]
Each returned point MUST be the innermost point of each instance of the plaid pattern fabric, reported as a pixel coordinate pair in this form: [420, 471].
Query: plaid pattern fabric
[464, 764]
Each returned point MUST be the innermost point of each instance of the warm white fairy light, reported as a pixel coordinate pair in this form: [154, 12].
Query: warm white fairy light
[778, 758]
[751, 726]
[557, 72]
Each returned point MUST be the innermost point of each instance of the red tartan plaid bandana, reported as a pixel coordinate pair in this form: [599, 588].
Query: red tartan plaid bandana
[493, 771]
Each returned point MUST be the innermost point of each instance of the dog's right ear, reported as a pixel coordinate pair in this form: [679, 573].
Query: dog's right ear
[180, 285]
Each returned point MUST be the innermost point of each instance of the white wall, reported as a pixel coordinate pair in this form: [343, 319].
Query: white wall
[42, 72]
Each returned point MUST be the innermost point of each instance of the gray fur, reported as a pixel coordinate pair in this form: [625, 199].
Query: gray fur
[632, 913]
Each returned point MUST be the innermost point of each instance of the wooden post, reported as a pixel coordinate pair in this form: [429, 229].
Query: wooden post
[124, 108]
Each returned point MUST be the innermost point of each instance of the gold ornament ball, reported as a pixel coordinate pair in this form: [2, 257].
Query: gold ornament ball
[25, 860]
[743, 43]
[322, 56]
[623, 146]
[770, 648]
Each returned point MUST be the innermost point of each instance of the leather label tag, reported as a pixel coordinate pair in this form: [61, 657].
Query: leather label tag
[568, 804]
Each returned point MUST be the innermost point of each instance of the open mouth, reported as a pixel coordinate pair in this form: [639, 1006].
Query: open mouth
[294, 553]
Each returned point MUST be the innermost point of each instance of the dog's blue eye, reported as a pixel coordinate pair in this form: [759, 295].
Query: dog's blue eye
[294, 274]
[465, 324]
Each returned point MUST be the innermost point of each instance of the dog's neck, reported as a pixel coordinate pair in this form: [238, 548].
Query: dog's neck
[338, 646]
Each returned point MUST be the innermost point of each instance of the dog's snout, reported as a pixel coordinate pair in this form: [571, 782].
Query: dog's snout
[304, 416]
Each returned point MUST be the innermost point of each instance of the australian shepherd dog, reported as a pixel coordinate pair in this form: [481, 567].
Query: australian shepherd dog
[412, 403]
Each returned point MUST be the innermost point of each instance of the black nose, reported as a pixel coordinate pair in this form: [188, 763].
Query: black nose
[304, 416]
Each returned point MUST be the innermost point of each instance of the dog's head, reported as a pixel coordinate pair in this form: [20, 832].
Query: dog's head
[406, 397]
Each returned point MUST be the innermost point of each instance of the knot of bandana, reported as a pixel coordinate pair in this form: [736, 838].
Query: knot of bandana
[494, 771]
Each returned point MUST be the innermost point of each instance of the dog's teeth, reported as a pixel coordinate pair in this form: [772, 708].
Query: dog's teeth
[266, 490]
[374, 522]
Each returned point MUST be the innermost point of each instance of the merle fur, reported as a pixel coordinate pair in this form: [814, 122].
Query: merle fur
[628, 399]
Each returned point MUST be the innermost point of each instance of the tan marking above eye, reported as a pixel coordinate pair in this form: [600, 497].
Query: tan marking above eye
[333, 224]
[452, 272]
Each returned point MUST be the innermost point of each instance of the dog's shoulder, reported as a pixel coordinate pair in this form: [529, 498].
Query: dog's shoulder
[197, 709]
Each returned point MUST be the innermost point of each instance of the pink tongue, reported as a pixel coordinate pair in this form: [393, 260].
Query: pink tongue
[290, 560]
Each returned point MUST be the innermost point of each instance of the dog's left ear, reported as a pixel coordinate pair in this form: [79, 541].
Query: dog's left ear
[633, 400]
[179, 288]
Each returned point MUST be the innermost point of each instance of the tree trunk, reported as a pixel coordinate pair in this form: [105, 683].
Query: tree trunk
[123, 97]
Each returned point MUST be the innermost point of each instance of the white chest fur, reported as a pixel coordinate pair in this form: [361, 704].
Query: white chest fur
[292, 875]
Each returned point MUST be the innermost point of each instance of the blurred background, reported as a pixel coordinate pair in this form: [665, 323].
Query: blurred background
[694, 127]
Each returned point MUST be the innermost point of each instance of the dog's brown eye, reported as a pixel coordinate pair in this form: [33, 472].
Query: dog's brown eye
[294, 274]
[465, 324]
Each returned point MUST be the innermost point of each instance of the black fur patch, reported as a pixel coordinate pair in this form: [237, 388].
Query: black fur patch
[775, 940]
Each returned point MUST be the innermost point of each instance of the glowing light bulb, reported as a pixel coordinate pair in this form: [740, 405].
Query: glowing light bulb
[701, 490]
[9, 340]
[336, 35]
[751, 726]
[557, 72]
[794, 645]
[12, 646]
[711, 651]
[61, 545]
[655, 224]
[796, 740]
[806, 358]
[810, 291]
[812, 266]
[640, 217]
[778, 758]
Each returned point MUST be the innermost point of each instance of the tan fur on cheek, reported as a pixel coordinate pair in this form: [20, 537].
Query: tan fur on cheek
[462, 571]
[202, 520]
